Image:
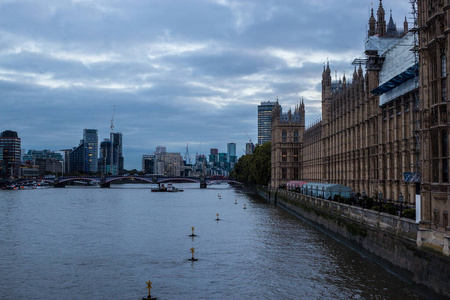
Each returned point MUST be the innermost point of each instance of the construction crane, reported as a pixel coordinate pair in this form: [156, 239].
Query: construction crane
[112, 141]
[249, 139]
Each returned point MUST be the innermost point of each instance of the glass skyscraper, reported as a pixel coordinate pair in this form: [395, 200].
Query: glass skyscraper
[90, 141]
[265, 121]
[231, 150]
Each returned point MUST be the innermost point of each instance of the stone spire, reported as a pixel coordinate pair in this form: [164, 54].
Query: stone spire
[391, 28]
[372, 24]
[360, 71]
[381, 22]
[405, 27]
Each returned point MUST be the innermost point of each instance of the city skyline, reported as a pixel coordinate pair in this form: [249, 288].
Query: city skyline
[178, 72]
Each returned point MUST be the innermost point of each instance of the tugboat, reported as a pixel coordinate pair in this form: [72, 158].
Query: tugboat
[169, 188]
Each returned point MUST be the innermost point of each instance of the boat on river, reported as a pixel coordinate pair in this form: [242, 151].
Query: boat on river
[169, 188]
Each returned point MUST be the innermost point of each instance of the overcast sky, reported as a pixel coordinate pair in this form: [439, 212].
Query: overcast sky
[179, 72]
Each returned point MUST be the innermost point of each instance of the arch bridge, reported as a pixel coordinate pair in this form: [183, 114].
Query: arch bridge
[105, 181]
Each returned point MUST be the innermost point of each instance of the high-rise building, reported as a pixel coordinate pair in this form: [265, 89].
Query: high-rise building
[249, 148]
[90, 141]
[66, 158]
[231, 151]
[76, 159]
[117, 139]
[84, 158]
[10, 143]
[149, 164]
[264, 121]
[107, 162]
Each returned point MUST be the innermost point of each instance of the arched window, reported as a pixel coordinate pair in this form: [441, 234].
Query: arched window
[296, 136]
[284, 136]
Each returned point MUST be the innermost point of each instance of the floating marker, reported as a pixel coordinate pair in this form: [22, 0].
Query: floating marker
[149, 287]
[192, 252]
[192, 228]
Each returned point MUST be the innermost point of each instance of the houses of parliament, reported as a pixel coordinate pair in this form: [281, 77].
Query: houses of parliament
[384, 132]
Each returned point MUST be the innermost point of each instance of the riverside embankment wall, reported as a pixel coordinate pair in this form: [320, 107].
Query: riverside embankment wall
[391, 238]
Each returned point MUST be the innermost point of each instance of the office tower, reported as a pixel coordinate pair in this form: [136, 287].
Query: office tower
[264, 121]
[149, 164]
[10, 145]
[90, 142]
[231, 151]
[249, 148]
[117, 139]
[106, 162]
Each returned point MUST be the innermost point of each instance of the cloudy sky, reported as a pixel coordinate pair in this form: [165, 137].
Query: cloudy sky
[178, 71]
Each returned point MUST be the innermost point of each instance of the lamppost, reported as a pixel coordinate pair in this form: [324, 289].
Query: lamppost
[400, 199]
[380, 197]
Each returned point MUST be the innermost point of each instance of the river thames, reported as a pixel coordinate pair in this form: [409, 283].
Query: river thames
[92, 243]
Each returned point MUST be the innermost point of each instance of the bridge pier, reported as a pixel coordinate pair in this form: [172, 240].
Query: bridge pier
[202, 182]
[57, 184]
[105, 185]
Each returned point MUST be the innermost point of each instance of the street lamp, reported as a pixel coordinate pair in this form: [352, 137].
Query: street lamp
[400, 199]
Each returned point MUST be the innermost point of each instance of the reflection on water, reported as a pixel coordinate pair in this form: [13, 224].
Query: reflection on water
[92, 243]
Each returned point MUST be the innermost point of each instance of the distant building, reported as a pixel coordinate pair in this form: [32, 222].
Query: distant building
[168, 163]
[117, 141]
[66, 159]
[160, 150]
[264, 121]
[84, 157]
[111, 160]
[214, 151]
[29, 171]
[149, 163]
[249, 148]
[231, 151]
[90, 140]
[49, 165]
[106, 161]
[10, 145]
[76, 159]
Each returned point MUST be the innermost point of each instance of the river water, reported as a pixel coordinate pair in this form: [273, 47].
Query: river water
[92, 243]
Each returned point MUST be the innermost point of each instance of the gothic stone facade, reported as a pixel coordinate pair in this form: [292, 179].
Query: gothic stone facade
[286, 142]
[370, 145]
[434, 46]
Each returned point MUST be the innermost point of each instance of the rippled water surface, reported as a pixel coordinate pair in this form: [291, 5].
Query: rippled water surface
[92, 243]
